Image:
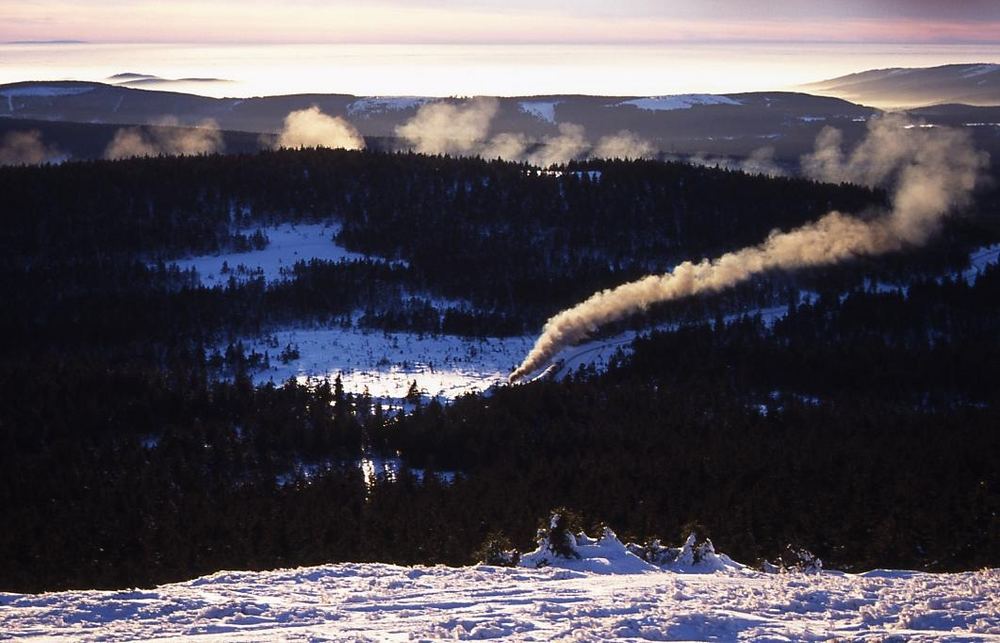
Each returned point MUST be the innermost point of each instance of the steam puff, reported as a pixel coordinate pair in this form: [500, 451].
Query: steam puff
[27, 148]
[932, 170]
[760, 161]
[168, 138]
[623, 145]
[511, 147]
[312, 128]
[570, 144]
[445, 128]
[462, 129]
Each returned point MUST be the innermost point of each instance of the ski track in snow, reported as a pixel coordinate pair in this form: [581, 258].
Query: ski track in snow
[376, 602]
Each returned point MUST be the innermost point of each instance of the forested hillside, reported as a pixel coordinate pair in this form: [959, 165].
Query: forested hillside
[130, 455]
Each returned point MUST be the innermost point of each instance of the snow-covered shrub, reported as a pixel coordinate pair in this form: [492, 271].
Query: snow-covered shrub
[603, 555]
[654, 552]
[802, 560]
[556, 539]
[794, 559]
[498, 551]
[700, 556]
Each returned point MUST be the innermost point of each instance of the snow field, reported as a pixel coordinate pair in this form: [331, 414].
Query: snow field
[542, 110]
[44, 91]
[376, 602]
[381, 104]
[288, 244]
[679, 101]
[444, 366]
[387, 363]
[980, 259]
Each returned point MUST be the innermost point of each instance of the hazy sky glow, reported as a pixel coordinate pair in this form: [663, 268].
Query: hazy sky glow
[502, 21]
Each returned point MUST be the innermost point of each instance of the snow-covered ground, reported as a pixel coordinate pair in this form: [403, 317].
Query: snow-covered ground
[387, 363]
[542, 110]
[980, 259]
[679, 101]
[365, 107]
[375, 602]
[288, 244]
[45, 91]
[445, 366]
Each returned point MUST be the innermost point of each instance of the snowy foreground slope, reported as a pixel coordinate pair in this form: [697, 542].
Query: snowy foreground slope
[616, 599]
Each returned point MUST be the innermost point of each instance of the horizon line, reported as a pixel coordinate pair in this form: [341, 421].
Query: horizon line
[509, 43]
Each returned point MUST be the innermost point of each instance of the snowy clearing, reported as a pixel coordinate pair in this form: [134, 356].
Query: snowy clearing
[542, 110]
[444, 366]
[979, 70]
[980, 259]
[44, 91]
[383, 104]
[375, 602]
[679, 101]
[288, 244]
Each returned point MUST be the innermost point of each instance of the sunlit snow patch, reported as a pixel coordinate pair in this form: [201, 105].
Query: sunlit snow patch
[980, 259]
[287, 245]
[382, 104]
[44, 91]
[542, 110]
[354, 601]
[444, 366]
[678, 101]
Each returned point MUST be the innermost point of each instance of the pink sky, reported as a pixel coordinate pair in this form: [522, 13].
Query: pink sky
[472, 21]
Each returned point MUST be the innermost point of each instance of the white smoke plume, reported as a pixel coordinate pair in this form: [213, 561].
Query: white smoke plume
[571, 143]
[447, 128]
[623, 145]
[760, 161]
[27, 148]
[166, 137]
[312, 128]
[930, 171]
[462, 129]
[511, 147]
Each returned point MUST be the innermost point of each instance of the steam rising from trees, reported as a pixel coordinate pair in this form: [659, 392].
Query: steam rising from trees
[166, 137]
[930, 171]
[27, 148]
[312, 128]
[464, 129]
[623, 145]
[446, 128]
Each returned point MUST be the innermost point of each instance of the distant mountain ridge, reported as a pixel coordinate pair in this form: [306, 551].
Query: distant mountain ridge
[781, 125]
[975, 84]
[95, 102]
[682, 124]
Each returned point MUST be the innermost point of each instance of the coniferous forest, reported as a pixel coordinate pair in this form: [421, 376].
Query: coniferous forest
[863, 424]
